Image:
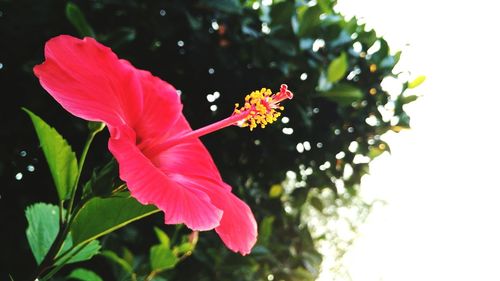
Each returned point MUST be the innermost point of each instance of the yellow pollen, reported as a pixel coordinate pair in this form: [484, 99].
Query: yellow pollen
[262, 109]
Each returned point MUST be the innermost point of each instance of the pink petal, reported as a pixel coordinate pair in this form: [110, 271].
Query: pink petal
[149, 185]
[89, 81]
[237, 229]
[189, 158]
[191, 165]
[161, 107]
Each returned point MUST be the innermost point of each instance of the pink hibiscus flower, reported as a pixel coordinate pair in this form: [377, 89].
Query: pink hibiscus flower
[160, 157]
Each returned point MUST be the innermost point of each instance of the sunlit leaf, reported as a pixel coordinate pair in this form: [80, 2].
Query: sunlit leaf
[398, 129]
[416, 82]
[337, 68]
[162, 237]
[375, 152]
[184, 248]
[326, 6]
[378, 149]
[275, 191]
[60, 158]
[162, 258]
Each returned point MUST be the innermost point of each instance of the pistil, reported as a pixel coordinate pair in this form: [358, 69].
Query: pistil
[261, 108]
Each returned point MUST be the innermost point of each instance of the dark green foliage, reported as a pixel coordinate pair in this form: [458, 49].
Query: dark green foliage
[227, 46]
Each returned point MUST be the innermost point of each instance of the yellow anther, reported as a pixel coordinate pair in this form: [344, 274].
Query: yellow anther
[262, 107]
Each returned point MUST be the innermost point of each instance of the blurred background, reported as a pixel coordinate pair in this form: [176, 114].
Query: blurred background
[440, 183]
[427, 211]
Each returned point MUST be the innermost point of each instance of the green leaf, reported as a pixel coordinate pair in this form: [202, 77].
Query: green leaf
[337, 68]
[128, 256]
[367, 37]
[408, 99]
[112, 256]
[308, 20]
[343, 94]
[326, 6]
[60, 158]
[316, 203]
[378, 149]
[102, 181]
[416, 82]
[77, 19]
[275, 191]
[100, 216]
[84, 275]
[375, 152]
[43, 226]
[162, 237]
[162, 258]
[184, 248]
[77, 254]
[265, 230]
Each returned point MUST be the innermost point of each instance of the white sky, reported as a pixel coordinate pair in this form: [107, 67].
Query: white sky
[441, 182]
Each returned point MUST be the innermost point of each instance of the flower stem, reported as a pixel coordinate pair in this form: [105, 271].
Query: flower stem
[58, 267]
[90, 138]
